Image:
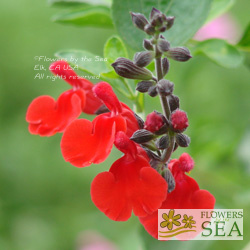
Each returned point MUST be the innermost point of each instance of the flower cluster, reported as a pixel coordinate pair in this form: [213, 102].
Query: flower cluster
[145, 178]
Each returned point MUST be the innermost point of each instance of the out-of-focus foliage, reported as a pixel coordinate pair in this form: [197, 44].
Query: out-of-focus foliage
[45, 202]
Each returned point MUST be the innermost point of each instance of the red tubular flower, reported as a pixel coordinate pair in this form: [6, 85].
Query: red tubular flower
[85, 142]
[186, 195]
[63, 69]
[47, 116]
[130, 184]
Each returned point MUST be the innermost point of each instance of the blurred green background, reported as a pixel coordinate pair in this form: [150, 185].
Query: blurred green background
[45, 202]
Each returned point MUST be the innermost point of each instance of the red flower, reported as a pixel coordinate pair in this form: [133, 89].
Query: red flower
[63, 69]
[130, 184]
[153, 122]
[179, 120]
[85, 142]
[186, 195]
[47, 116]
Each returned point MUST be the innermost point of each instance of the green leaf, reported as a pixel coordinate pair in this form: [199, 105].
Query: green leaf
[190, 16]
[97, 16]
[219, 7]
[79, 2]
[220, 52]
[245, 40]
[113, 49]
[84, 61]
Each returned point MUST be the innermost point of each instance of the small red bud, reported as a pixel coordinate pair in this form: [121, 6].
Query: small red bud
[153, 122]
[186, 163]
[179, 120]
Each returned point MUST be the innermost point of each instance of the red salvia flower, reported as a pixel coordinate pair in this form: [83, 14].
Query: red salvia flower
[153, 122]
[85, 142]
[186, 195]
[63, 70]
[130, 184]
[47, 116]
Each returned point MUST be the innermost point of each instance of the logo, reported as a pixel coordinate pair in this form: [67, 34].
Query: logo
[200, 224]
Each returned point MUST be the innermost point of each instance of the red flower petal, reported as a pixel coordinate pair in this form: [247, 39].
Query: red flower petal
[130, 184]
[47, 116]
[63, 69]
[186, 195]
[85, 142]
[128, 115]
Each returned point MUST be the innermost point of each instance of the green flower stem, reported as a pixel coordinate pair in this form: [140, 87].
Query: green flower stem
[127, 86]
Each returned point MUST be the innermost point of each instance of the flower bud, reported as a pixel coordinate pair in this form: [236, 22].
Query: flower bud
[142, 59]
[174, 102]
[152, 91]
[139, 20]
[154, 12]
[170, 22]
[163, 142]
[165, 66]
[165, 87]
[168, 176]
[142, 136]
[153, 122]
[179, 121]
[147, 45]
[158, 165]
[126, 68]
[186, 163]
[181, 54]
[163, 45]
[163, 29]
[151, 155]
[149, 29]
[144, 86]
[102, 109]
[182, 140]
[139, 121]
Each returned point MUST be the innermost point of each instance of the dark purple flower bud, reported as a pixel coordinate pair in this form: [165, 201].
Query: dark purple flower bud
[149, 29]
[142, 136]
[154, 12]
[139, 121]
[182, 140]
[163, 45]
[152, 91]
[126, 68]
[181, 54]
[170, 21]
[165, 87]
[174, 102]
[147, 45]
[144, 86]
[163, 142]
[169, 179]
[165, 66]
[139, 20]
[142, 59]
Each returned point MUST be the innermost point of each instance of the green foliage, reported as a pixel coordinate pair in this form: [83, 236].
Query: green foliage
[244, 43]
[190, 15]
[220, 52]
[69, 3]
[113, 49]
[84, 60]
[96, 16]
[219, 7]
